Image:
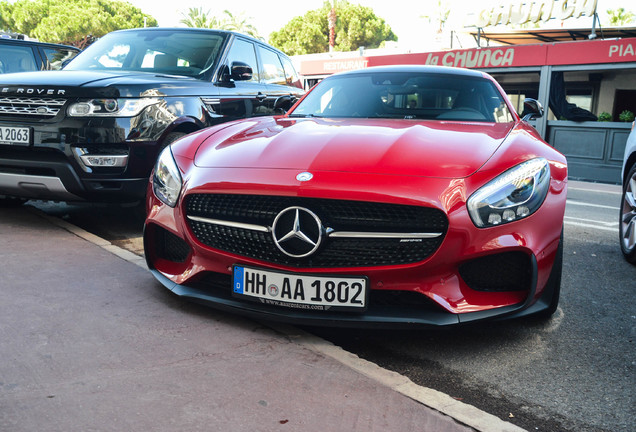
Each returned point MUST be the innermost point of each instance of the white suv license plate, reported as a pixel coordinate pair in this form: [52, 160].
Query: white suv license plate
[301, 292]
[20, 136]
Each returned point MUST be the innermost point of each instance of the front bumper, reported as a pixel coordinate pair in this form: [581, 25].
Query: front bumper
[374, 317]
[51, 167]
[54, 177]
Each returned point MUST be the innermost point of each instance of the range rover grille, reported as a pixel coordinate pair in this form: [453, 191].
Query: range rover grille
[37, 107]
[337, 215]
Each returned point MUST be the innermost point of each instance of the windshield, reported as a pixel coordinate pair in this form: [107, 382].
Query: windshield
[189, 53]
[406, 95]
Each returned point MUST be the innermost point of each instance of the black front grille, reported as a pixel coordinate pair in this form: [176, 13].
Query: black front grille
[339, 215]
[509, 271]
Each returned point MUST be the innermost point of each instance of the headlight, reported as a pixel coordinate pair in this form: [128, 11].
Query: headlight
[166, 180]
[110, 107]
[514, 195]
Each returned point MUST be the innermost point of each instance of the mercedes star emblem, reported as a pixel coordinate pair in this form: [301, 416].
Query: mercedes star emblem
[297, 232]
[304, 176]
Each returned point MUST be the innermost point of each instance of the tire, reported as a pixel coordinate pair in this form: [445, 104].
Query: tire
[170, 138]
[627, 217]
[554, 284]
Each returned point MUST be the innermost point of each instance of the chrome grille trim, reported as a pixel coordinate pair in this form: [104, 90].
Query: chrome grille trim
[36, 106]
[231, 224]
[330, 232]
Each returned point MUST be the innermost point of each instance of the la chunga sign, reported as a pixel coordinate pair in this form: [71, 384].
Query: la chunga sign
[522, 12]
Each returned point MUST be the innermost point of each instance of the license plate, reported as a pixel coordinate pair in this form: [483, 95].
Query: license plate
[301, 292]
[20, 136]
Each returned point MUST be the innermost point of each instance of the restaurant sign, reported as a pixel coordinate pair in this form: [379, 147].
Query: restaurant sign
[522, 12]
[554, 54]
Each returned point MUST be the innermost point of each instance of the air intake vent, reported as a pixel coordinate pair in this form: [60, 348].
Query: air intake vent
[510, 271]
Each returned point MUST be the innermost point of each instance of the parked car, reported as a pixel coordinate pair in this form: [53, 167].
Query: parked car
[93, 130]
[627, 222]
[17, 55]
[410, 195]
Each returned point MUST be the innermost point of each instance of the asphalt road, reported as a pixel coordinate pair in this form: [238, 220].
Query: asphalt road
[572, 373]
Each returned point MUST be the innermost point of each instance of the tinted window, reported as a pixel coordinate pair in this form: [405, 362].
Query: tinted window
[291, 77]
[408, 96]
[273, 72]
[14, 58]
[57, 56]
[243, 51]
[176, 52]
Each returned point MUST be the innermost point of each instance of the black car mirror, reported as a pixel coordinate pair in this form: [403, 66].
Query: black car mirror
[240, 71]
[532, 109]
[284, 103]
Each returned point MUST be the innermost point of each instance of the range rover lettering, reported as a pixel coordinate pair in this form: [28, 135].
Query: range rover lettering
[93, 130]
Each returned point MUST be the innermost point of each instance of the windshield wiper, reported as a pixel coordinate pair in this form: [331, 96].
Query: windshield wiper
[305, 116]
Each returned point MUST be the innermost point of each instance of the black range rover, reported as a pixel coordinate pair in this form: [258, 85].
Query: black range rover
[93, 130]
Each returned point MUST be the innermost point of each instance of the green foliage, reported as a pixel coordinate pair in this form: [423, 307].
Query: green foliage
[71, 21]
[356, 26]
[605, 117]
[626, 116]
[238, 23]
[303, 35]
[6, 21]
[620, 17]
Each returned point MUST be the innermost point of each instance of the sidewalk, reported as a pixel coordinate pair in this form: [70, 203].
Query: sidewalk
[91, 342]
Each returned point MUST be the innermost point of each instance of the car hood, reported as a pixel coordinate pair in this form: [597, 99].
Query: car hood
[389, 147]
[70, 83]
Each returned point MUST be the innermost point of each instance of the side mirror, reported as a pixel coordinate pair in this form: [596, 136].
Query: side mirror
[532, 108]
[240, 71]
[283, 103]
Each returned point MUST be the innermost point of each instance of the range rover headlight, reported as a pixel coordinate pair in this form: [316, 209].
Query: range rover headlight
[110, 107]
[166, 180]
[513, 195]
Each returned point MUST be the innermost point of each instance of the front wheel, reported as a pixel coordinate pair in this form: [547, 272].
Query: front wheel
[627, 222]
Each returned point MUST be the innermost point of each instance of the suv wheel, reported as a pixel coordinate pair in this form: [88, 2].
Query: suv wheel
[171, 137]
[627, 223]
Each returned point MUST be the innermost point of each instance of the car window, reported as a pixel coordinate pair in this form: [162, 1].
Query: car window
[291, 77]
[243, 51]
[15, 58]
[171, 51]
[273, 72]
[57, 56]
[408, 96]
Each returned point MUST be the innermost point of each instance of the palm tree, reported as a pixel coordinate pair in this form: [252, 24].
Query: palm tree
[239, 23]
[197, 18]
[439, 14]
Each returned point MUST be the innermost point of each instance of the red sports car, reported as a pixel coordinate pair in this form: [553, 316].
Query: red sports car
[408, 195]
